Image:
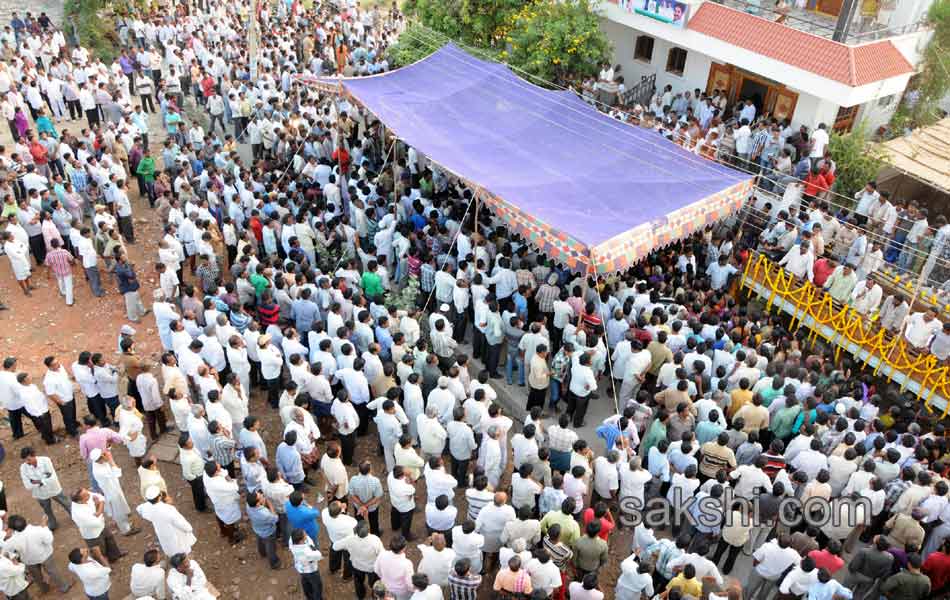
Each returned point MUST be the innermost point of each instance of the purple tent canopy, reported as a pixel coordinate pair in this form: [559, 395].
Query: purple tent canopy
[590, 191]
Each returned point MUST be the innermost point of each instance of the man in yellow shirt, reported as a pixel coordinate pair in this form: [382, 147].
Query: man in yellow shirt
[741, 396]
[687, 583]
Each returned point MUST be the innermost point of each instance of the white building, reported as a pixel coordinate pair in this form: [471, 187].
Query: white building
[793, 69]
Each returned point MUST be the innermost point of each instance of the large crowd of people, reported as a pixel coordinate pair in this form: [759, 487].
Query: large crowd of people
[342, 286]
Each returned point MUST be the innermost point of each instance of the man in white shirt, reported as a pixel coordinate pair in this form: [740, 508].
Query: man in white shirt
[771, 561]
[920, 327]
[866, 297]
[187, 580]
[173, 530]
[148, 576]
[606, 476]
[339, 526]
[461, 444]
[39, 477]
[226, 500]
[583, 384]
[402, 497]
[491, 523]
[93, 575]
[432, 435]
[799, 261]
[306, 562]
[33, 544]
[819, 140]
[362, 548]
[59, 389]
[10, 397]
[347, 422]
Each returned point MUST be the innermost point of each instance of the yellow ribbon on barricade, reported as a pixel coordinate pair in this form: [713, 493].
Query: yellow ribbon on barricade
[848, 327]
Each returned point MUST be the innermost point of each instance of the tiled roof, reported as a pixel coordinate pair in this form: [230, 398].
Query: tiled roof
[851, 65]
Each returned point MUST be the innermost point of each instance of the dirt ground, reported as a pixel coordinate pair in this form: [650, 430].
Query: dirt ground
[41, 325]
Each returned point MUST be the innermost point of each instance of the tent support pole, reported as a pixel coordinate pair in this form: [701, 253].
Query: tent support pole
[340, 140]
[478, 207]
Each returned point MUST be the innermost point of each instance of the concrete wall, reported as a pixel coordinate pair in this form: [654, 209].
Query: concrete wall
[810, 110]
[625, 40]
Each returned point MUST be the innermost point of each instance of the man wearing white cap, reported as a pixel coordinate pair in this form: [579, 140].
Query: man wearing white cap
[443, 315]
[443, 344]
[126, 331]
[173, 531]
[107, 475]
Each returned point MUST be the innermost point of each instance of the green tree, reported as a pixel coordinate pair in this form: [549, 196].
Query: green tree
[478, 22]
[920, 105]
[558, 41]
[857, 159]
[94, 23]
[554, 40]
[413, 45]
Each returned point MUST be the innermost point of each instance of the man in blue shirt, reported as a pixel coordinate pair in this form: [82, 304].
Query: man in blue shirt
[289, 462]
[264, 523]
[305, 312]
[301, 515]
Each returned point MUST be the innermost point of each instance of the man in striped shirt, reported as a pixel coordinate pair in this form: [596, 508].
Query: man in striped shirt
[463, 584]
[60, 263]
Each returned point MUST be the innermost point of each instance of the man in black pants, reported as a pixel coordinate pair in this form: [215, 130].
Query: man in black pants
[402, 496]
[583, 385]
[360, 538]
[347, 421]
[12, 402]
[461, 444]
[193, 471]
[306, 557]
[37, 407]
[59, 389]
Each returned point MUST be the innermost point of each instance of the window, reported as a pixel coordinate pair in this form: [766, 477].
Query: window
[644, 49]
[676, 61]
[886, 100]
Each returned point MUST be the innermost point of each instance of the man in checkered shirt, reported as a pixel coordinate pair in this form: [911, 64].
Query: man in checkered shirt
[60, 263]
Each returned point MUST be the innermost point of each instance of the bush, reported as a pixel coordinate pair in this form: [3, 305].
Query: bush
[413, 45]
[857, 159]
[558, 41]
[94, 27]
[555, 40]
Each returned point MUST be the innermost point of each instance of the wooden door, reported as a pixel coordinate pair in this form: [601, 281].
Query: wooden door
[829, 7]
[783, 103]
[844, 121]
[720, 78]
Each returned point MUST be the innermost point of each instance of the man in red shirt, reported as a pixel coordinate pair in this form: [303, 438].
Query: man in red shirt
[600, 511]
[40, 156]
[829, 558]
[822, 270]
[937, 568]
[815, 183]
[342, 157]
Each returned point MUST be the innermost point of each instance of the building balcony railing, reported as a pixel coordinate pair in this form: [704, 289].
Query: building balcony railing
[862, 29]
